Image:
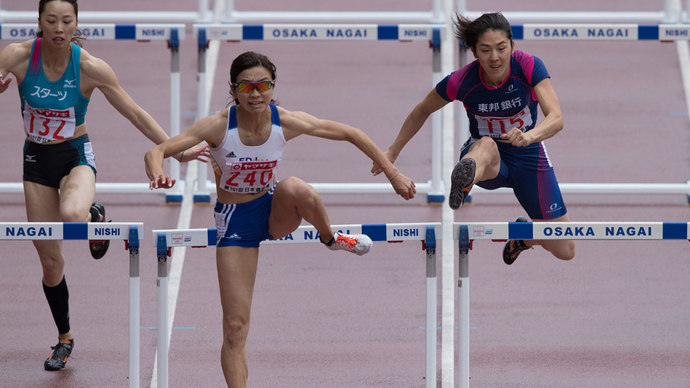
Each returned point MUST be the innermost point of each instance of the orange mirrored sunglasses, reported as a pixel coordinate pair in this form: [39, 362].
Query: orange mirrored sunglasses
[261, 86]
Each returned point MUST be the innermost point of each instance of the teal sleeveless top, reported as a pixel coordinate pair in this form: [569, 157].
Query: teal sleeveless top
[51, 109]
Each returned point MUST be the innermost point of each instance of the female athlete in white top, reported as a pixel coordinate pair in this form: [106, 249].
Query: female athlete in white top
[246, 144]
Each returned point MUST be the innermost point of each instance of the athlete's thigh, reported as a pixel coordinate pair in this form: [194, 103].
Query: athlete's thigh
[539, 194]
[534, 182]
[562, 249]
[42, 202]
[77, 193]
[284, 217]
[236, 277]
[42, 205]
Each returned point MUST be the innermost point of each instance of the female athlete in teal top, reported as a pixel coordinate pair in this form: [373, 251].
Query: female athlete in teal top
[56, 79]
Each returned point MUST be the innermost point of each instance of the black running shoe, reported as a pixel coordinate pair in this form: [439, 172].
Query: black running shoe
[60, 355]
[98, 248]
[461, 182]
[513, 248]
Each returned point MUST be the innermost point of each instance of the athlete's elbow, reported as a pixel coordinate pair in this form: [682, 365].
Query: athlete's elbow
[558, 124]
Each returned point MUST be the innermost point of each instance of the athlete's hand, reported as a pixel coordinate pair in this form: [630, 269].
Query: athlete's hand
[201, 153]
[5, 82]
[376, 168]
[162, 181]
[518, 138]
[403, 186]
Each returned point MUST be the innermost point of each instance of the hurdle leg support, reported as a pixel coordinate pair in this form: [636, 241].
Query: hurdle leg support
[464, 308]
[202, 193]
[174, 196]
[134, 308]
[162, 253]
[431, 306]
[436, 193]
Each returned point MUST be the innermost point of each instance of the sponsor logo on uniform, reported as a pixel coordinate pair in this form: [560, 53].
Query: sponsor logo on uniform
[554, 207]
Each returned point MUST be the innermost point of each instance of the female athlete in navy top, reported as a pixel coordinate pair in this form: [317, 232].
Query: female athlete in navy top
[501, 91]
[494, 110]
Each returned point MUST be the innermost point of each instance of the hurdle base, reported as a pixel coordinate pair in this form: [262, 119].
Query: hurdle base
[202, 199]
[435, 199]
[173, 199]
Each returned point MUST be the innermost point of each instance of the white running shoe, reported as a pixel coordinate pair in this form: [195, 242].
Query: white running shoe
[355, 243]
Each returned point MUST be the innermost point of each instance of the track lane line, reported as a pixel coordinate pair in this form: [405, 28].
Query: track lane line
[184, 221]
[178, 256]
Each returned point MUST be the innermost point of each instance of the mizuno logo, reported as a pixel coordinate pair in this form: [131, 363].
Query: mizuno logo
[30, 158]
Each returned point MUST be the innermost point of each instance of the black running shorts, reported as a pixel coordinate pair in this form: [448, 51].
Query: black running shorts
[47, 164]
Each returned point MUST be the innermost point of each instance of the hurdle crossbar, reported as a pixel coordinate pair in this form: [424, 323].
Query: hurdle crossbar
[601, 31]
[433, 33]
[131, 233]
[434, 15]
[165, 240]
[172, 33]
[465, 233]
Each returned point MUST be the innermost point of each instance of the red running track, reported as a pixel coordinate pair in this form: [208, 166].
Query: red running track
[616, 316]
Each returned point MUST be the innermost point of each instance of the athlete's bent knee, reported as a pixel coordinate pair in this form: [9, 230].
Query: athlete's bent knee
[296, 189]
[72, 214]
[486, 145]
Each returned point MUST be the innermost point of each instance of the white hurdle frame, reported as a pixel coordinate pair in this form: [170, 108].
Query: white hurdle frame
[131, 233]
[166, 239]
[434, 33]
[435, 15]
[465, 233]
[172, 33]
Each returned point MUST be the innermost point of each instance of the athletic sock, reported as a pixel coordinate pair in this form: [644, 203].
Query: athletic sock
[58, 300]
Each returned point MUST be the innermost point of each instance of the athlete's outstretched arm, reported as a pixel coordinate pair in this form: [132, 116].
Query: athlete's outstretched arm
[297, 123]
[204, 130]
[412, 124]
[100, 75]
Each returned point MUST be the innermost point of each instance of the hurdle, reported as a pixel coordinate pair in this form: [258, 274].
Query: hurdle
[434, 15]
[465, 233]
[172, 33]
[131, 233]
[433, 33]
[166, 239]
